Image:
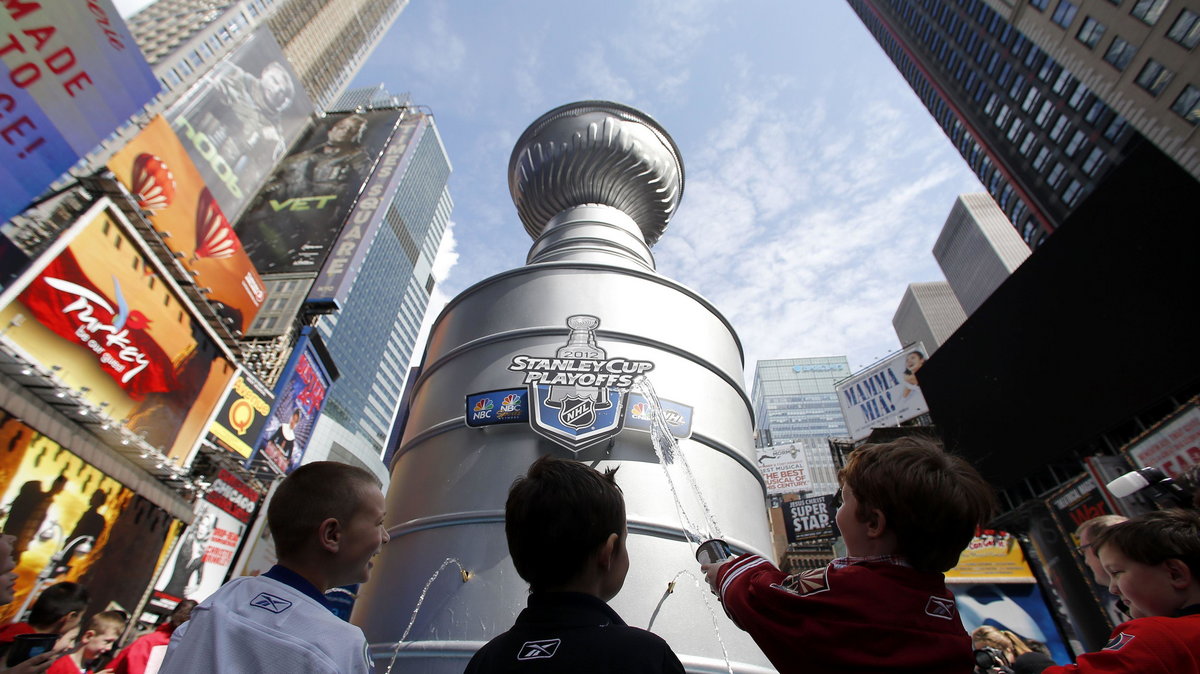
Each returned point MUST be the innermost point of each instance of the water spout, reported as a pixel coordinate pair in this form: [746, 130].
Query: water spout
[463, 573]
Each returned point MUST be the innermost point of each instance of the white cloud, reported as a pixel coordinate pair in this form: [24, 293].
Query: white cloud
[598, 78]
[447, 254]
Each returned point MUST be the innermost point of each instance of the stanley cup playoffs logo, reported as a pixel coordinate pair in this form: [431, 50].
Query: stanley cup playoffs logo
[578, 395]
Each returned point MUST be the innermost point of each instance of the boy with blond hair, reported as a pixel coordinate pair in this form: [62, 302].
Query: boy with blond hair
[102, 632]
[908, 510]
[1153, 562]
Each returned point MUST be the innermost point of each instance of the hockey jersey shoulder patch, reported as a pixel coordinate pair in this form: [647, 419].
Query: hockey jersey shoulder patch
[1118, 642]
[806, 583]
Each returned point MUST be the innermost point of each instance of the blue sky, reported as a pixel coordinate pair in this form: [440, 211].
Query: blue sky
[816, 182]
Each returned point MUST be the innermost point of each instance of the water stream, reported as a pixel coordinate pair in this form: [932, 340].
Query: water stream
[707, 596]
[463, 573]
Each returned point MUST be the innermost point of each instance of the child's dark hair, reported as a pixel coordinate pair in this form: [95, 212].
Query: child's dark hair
[311, 494]
[932, 500]
[56, 602]
[1154, 537]
[557, 515]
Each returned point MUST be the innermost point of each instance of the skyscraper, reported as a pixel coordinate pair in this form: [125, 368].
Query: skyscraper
[1139, 58]
[928, 313]
[795, 403]
[977, 249]
[1037, 137]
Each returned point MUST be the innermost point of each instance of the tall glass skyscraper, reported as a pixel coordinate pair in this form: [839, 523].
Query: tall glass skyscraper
[794, 403]
[1038, 138]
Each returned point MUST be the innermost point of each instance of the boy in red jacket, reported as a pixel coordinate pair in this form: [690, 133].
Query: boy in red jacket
[908, 509]
[1153, 562]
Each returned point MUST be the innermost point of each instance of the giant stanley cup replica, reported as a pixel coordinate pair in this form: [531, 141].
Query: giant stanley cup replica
[540, 360]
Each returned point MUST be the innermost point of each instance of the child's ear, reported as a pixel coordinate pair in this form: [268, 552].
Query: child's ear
[876, 523]
[1179, 573]
[329, 534]
[608, 551]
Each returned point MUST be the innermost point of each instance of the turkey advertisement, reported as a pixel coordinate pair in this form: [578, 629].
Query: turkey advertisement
[159, 173]
[106, 325]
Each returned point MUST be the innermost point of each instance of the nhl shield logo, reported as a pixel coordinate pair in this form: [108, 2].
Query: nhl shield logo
[577, 412]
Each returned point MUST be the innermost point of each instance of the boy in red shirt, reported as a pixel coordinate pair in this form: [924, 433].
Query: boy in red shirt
[102, 632]
[908, 510]
[137, 655]
[1153, 562]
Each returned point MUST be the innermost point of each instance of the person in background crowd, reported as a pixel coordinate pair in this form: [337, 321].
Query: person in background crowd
[102, 632]
[909, 510]
[145, 654]
[1016, 653]
[327, 522]
[8, 579]
[57, 611]
[1086, 533]
[1153, 562]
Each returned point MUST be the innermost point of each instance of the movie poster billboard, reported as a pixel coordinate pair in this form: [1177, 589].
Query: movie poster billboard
[292, 223]
[201, 559]
[992, 557]
[243, 415]
[332, 286]
[1172, 446]
[299, 397]
[161, 176]
[55, 503]
[884, 394]
[809, 519]
[784, 469]
[70, 73]
[1019, 608]
[239, 120]
[110, 326]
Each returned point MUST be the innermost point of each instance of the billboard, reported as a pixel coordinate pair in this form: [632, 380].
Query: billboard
[239, 120]
[809, 519]
[884, 394]
[110, 326]
[158, 172]
[1172, 446]
[992, 557]
[200, 561]
[332, 286]
[784, 469]
[243, 415]
[70, 74]
[299, 397]
[292, 223]
[1017, 607]
[51, 498]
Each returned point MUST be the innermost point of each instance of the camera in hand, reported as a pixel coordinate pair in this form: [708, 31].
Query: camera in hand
[989, 660]
[25, 646]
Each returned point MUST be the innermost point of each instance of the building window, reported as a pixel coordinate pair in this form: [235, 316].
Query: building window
[1031, 99]
[1076, 141]
[1056, 174]
[1093, 162]
[1154, 77]
[1064, 80]
[1064, 13]
[1090, 32]
[1186, 29]
[1187, 105]
[1115, 128]
[1039, 162]
[1148, 11]
[1044, 114]
[1094, 112]
[1078, 97]
[1060, 128]
[1039, 5]
[1071, 194]
[1016, 129]
[1027, 144]
[1120, 53]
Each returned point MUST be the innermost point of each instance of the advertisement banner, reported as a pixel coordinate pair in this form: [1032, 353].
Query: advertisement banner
[243, 416]
[258, 554]
[292, 223]
[113, 329]
[809, 519]
[1019, 608]
[200, 561]
[239, 120]
[1173, 446]
[332, 286]
[1076, 502]
[784, 469]
[299, 397]
[161, 176]
[70, 74]
[992, 557]
[73, 522]
[884, 394]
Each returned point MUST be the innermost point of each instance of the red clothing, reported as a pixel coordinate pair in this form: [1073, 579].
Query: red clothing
[64, 665]
[11, 630]
[133, 659]
[1144, 646]
[869, 616]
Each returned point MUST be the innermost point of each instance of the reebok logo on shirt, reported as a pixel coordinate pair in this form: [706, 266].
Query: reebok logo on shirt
[940, 607]
[539, 650]
[270, 602]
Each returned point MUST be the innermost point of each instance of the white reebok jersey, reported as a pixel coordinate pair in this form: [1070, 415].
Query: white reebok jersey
[258, 624]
